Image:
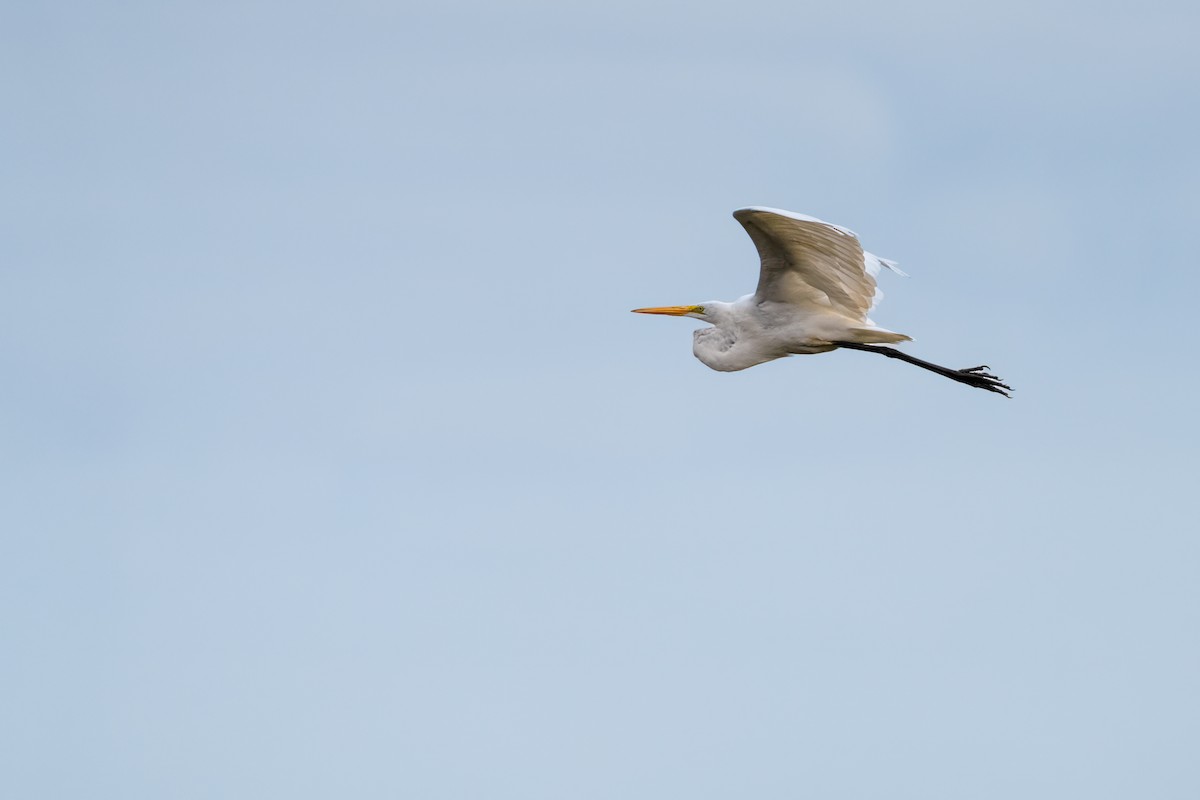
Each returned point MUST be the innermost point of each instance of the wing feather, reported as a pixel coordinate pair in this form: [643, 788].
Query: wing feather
[810, 263]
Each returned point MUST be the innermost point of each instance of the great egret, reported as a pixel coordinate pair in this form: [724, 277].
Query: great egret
[816, 286]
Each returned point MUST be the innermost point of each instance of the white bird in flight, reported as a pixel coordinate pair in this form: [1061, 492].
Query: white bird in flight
[816, 286]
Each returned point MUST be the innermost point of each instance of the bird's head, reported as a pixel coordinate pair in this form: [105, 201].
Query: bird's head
[703, 312]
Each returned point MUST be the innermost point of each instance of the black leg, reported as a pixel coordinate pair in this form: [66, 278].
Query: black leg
[975, 376]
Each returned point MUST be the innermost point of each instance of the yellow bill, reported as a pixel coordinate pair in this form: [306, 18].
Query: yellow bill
[673, 311]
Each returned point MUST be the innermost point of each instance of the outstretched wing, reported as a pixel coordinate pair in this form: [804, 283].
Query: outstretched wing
[810, 263]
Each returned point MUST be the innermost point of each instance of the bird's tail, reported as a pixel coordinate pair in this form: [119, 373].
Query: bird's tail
[875, 336]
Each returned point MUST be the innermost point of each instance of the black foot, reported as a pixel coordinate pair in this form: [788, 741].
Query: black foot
[981, 379]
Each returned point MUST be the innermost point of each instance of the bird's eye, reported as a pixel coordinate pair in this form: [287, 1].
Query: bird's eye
[698, 310]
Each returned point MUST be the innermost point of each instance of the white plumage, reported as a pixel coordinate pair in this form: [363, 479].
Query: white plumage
[816, 287]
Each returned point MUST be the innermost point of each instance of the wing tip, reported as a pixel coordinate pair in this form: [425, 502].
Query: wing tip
[742, 213]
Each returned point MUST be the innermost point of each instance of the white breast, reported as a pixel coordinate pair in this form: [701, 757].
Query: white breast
[721, 349]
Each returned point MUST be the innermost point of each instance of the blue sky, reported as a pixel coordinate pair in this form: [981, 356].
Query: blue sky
[335, 465]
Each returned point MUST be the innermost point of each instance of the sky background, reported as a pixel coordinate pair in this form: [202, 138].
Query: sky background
[332, 463]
